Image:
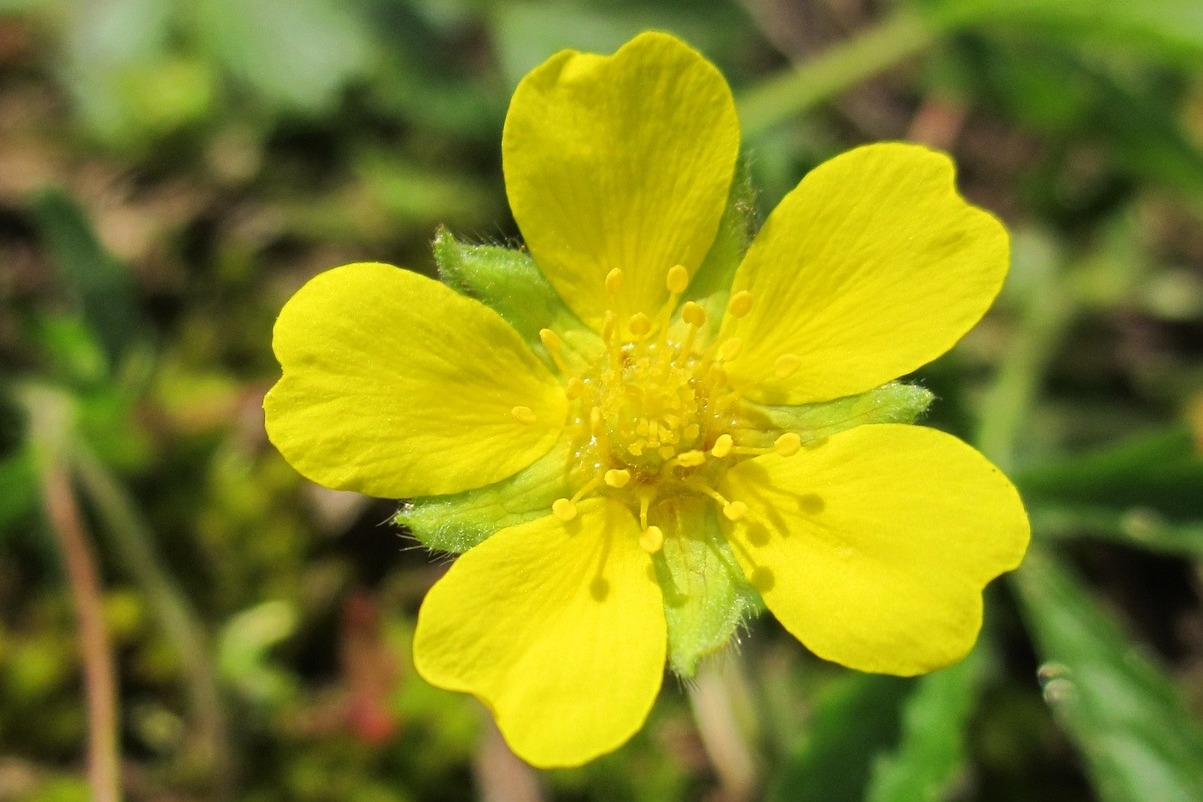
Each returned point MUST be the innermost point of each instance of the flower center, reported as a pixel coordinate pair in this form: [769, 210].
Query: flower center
[656, 416]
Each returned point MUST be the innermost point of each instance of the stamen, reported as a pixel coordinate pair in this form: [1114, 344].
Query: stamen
[678, 279]
[617, 477]
[645, 501]
[735, 511]
[788, 444]
[732, 510]
[740, 304]
[729, 349]
[786, 365]
[523, 414]
[640, 324]
[652, 539]
[690, 459]
[554, 345]
[586, 489]
[694, 314]
[722, 446]
[614, 281]
[609, 323]
[563, 509]
[574, 388]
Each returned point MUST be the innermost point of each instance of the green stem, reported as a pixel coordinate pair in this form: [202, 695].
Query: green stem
[866, 54]
[133, 541]
[50, 417]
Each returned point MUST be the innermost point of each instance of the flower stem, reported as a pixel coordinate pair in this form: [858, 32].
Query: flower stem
[132, 541]
[718, 695]
[869, 52]
[50, 425]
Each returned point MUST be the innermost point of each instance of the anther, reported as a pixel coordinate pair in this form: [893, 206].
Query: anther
[722, 446]
[691, 459]
[614, 281]
[786, 365]
[550, 340]
[617, 477]
[563, 509]
[740, 304]
[640, 324]
[523, 414]
[678, 279]
[694, 314]
[652, 539]
[730, 348]
[735, 510]
[787, 444]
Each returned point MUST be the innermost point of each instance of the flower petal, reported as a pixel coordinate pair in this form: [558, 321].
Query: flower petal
[558, 628]
[873, 547]
[620, 161]
[395, 386]
[870, 268]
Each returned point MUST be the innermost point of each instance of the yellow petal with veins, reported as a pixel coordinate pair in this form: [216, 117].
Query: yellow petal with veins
[623, 163]
[557, 627]
[870, 268]
[873, 547]
[396, 386]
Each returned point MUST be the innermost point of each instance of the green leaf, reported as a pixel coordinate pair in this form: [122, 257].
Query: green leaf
[853, 722]
[890, 403]
[1138, 737]
[1162, 470]
[706, 597]
[931, 755]
[100, 283]
[457, 522]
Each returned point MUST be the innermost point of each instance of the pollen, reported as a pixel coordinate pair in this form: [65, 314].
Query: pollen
[652, 539]
[640, 324]
[694, 314]
[722, 446]
[523, 414]
[617, 478]
[678, 279]
[786, 365]
[740, 304]
[651, 420]
[563, 509]
[788, 444]
[735, 511]
[614, 281]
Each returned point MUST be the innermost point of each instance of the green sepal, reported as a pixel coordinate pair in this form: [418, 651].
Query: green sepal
[891, 403]
[457, 522]
[711, 284]
[706, 597]
[506, 280]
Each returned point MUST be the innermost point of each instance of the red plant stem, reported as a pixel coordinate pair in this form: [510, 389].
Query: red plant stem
[99, 679]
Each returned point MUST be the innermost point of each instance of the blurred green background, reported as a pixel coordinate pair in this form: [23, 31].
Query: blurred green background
[171, 171]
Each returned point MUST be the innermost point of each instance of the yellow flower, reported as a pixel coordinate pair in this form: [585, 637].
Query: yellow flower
[680, 430]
